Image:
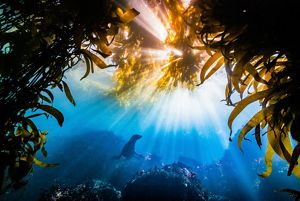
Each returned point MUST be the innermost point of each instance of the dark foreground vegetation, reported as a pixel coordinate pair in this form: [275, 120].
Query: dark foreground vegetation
[255, 41]
[40, 41]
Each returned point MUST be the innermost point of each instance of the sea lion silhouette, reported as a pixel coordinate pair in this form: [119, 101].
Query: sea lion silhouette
[128, 150]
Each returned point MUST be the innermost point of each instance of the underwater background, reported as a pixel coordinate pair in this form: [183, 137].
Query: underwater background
[159, 76]
[183, 126]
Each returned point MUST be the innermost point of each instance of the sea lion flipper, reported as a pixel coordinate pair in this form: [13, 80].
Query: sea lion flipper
[140, 156]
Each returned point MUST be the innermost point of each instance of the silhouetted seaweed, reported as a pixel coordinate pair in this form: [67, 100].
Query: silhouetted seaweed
[261, 58]
[39, 41]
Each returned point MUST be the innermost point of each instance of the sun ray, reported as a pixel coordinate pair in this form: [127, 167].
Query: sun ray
[149, 21]
[162, 76]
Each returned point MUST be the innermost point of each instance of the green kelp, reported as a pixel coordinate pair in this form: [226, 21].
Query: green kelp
[39, 42]
[262, 60]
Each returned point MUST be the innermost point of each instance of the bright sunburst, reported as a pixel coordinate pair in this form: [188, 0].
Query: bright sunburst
[163, 74]
[172, 59]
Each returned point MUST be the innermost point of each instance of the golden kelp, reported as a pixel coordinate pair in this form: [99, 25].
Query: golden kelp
[39, 42]
[174, 62]
[262, 64]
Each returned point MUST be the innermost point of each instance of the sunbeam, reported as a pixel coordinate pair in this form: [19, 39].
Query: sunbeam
[149, 20]
[160, 79]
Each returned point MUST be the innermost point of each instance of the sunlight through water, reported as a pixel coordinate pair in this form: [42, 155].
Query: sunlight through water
[149, 20]
[146, 79]
[153, 97]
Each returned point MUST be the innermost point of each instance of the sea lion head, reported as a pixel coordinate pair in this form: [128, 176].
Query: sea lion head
[136, 136]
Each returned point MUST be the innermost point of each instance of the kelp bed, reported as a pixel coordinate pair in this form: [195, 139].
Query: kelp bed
[252, 40]
[40, 41]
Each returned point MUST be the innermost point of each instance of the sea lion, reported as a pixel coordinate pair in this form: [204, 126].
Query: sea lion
[128, 150]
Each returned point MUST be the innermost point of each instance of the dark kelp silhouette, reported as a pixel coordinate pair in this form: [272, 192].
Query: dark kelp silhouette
[252, 41]
[39, 42]
[262, 61]
[128, 150]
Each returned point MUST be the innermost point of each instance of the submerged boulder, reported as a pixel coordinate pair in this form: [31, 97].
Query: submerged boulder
[95, 190]
[173, 182]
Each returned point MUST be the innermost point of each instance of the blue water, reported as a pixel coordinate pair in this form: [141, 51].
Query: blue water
[98, 126]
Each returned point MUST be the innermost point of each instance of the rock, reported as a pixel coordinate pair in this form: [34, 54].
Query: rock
[173, 182]
[95, 190]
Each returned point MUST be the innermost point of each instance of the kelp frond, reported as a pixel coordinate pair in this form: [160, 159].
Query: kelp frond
[39, 42]
[262, 65]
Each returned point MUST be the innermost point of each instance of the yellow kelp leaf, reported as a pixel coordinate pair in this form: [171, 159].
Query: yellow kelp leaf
[233, 34]
[106, 51]
[260, 86]
[268, 160]
[295, 156]
[102, 47]
[273, 138]
[244, 103]
[26, 158]
[45, 98]
[255, 84]
[88, 67]
[43, 164]
[32, 126]
[19, 131]
[254, 121]
[267, 76]
[113, 30]
[44, 152]
[54, 112]
[126, 16]
[296, 171]
[285, 152]
[99, 62]
[68, 93]
[227, 91]
[246, 83]
[254, 73]
[238, 71]
[209, 64]
[215, 68]
[25, 133]
[257, 136]
[49, 93]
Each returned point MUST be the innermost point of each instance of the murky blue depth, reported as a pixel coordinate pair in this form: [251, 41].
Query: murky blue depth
[97, 128]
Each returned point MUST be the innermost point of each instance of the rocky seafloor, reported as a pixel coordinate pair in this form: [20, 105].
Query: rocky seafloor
[173, 182]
